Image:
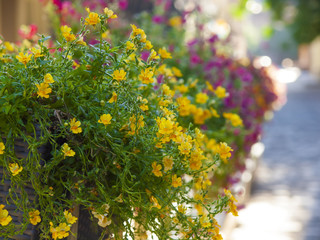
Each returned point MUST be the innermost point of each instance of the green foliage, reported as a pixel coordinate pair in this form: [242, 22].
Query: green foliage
[104, 153]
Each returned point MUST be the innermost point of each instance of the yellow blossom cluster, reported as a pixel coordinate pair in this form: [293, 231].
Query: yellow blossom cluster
[231, 203]
[44, 87]
[234, 118]
[5, 218]
[66, 33]
[63, 229]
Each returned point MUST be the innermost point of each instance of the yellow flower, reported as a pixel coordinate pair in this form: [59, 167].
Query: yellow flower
[167, 163]
[65, 29]
[62, 230]
[109, 13]
[24, 58]
[153, 55]
[92, 19]
[176, 72]
[43, 90]
[182, 88]
[175, 21]
[166, 126]
[185, 147]
[224, 151]
[209, 86]
[81, 42]
[137, 31]
[167, 91]
[214, 113]
[205, 222]
[176, 181]
[9, 46]
[144, 107]
[231, 203]
[119, 75]
[48, 78]
[234, 119]
[130, 46]
[146, 76]
[75, 126]
[114, 97]
[196, 159]
[75, 64]
[184, 106]
[36, 52]
[66, 33]
[104, 220]
[156, 169]
[201, 98]
[105, 34]
[2, 148]
[68, 152]
[34, 217]
[155, 202]
[70, 219]
[220, 92]
[5, 218]
[164, 54]
[182, 209]
[15, 169]
[148, 45]
[201, 115]
[105, 119]
[199, 208]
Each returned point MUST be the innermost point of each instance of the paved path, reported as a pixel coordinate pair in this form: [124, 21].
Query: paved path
[285, 200]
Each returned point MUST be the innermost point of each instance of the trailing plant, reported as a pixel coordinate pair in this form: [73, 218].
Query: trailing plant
[116, 145]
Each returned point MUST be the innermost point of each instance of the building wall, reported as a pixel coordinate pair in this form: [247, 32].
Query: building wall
[14, 13]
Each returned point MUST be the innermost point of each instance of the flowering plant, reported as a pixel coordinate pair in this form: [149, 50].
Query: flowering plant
[115, 146]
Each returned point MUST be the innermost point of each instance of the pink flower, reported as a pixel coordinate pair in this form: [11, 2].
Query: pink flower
[28, 32]
[158, 2]
[167, 5]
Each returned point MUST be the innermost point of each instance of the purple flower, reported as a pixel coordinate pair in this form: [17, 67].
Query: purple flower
[213, 39]
[157, 19]
[160, 79]
[244, 74]
[145, 55]
[192, 42]
[195, 59]
[171, 48]
[211, 64]
[123, 4]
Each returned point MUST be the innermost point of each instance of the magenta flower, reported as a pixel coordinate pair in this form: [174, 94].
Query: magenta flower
[123, 4]
[195, 59]
[167, 5]
[213, 39]
[58, 4]
[157, 19]
[193, 42]
[145, 55]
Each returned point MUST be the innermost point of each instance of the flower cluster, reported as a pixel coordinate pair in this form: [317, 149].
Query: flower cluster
[109, 130]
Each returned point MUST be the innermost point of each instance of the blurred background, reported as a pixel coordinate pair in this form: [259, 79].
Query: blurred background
[283, 188]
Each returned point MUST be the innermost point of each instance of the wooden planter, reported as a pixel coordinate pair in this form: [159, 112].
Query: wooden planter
[84, 228]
